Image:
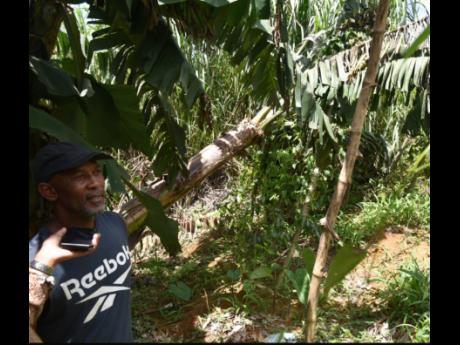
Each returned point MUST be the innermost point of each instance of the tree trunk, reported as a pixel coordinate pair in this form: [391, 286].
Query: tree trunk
[45, 18]
[203, 164]
[347, 169]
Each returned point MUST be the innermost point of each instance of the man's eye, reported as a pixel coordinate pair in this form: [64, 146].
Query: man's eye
[79, 177]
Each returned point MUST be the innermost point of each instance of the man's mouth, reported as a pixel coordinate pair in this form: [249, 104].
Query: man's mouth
[96, 198]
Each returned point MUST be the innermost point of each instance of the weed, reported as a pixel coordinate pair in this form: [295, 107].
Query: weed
[384, 209]
[408, 301]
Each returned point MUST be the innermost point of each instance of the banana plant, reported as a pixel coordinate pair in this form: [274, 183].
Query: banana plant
[422, 162]
[113, 90]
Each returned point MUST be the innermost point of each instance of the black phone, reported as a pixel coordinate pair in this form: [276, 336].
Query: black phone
[78, 239]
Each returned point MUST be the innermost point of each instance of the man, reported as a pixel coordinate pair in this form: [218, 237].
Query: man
[89, 300]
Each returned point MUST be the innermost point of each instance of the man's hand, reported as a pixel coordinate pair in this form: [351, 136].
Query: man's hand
[51, 253]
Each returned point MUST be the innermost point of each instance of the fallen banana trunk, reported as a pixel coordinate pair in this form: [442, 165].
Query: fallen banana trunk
[203, 164]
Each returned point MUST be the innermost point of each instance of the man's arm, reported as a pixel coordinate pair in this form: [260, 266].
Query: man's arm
[33, 336]
[50, 254]
[38, 294]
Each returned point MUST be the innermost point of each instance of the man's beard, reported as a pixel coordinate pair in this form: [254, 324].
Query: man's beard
[93, 211]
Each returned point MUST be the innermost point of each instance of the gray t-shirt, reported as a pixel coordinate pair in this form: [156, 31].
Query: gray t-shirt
[91, 300]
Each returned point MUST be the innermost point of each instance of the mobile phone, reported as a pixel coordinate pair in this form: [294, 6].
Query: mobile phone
[78, 239]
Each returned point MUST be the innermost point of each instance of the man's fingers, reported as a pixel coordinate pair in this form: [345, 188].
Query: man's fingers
[61, 232]
[96, 240]
[58, 235]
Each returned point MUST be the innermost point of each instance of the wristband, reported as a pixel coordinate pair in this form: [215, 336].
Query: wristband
[41, 267]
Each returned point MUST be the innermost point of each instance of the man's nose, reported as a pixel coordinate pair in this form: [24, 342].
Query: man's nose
[96, 182]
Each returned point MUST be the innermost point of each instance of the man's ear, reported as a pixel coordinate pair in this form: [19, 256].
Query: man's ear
[47, 191]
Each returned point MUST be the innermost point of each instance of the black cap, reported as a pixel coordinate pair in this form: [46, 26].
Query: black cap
[56, 157]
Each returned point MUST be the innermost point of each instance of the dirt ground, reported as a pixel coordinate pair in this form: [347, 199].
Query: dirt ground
[387, 251]
[211, 318]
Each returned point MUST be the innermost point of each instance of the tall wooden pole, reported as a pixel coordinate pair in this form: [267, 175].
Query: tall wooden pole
[344, 181]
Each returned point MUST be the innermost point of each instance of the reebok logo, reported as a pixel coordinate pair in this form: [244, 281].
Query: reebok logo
[75, 286]
[105, 294]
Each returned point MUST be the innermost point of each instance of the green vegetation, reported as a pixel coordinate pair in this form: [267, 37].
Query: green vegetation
[153, 85]
[386, 208]
[408, 298]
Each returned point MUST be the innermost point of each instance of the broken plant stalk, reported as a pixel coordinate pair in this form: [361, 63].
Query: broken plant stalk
[200, 166]
[295, 238]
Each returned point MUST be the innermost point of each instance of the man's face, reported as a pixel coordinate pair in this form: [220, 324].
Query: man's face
[80, 190]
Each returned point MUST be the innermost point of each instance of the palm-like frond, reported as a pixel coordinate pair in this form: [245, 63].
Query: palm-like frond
[346, 64]
[340, 76]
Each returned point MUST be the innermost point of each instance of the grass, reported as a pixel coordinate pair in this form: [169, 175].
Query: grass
[408, 301]
[349, 323]
[386, 208]
[398, 311]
